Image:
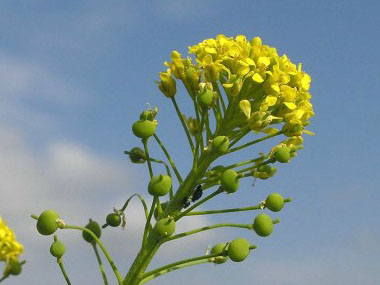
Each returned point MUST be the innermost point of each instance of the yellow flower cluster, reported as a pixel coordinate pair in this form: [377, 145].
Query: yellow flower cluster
[10, 248]
[262, 87]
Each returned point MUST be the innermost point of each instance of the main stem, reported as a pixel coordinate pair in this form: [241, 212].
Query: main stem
[146, 253]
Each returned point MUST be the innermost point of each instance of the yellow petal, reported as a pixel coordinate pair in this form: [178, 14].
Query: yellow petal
[228, 85]
[309, 132]
[245, 106]
[271, 100]
[305, 82]
[210, 50]
[290, 105]
[275, 87]
[257, 78]
[263, 60]
[270, 131]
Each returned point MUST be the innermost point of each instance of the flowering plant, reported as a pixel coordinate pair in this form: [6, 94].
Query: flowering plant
[10, 250]
[238, 88]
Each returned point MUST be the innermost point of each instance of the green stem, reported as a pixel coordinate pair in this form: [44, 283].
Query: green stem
[251, 208]
[244, 226]
[147, 224]
[178, 263]
[255, 141]
[169, 158]
[164, 271]
[244, 131]
[145, 143]
[199, 140]
[101, 267]
[197, 204]
[60, 263]
[216, 87]
[106, 254]
[142, 202]
[183, 124]
[255, 166]
[3, 278]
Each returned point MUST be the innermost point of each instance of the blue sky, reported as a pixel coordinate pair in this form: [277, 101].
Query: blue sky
[74, 76]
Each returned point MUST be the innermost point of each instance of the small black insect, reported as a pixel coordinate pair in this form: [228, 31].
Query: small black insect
[197, 193]
[185, 203]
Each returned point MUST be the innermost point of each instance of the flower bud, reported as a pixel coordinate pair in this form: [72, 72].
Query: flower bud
[263, 225]
[274, 202]
[160, 185]
[229, 181]
[113, 219]
[95, 228]
[14, 267]
[57, 249]
[47, 222]
[238, 249]
[218, 249]
[282, 154]
[220, 145]
[206, 98]
[165, 227]
[167, 85]
[137, 155]
[144, 128]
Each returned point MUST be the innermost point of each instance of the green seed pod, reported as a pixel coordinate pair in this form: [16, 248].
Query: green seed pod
[229, 181]
[238, 249]
[220, 144]
[95, 228]
[163, 207]
[144, 129]
[282, 154]
[219, 248]
[274, 202]
[165, 227]
[264, 168]
[113, 219]
[57, 249]
[137, 155]
[160, 185]
[205, 99]
[47, 222]
[14, 267]
[263, 225]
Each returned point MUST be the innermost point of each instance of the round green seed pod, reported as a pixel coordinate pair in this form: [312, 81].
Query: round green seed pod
[95, 228]
[165, 227]
[274, 202]
[220, 144]
[57, 249]
[163, 207]
[263, 225]
[143, 129]
[205, 99]
[137, 155]
[47, 222]
[219, 248]
[238, 249]
[113, 219]
[282, 154]
[159, 185]
[14, 267]
[229, 181]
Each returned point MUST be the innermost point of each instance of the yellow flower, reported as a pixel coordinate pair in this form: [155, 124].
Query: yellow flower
[167, 85]
[253, 73]
[10, 248]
